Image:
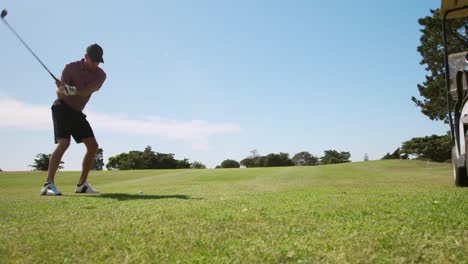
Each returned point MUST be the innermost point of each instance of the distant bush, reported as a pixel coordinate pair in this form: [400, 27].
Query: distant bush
[334, 157]
[270, 160]
[230, 164]
[197, 165]
[304, 158]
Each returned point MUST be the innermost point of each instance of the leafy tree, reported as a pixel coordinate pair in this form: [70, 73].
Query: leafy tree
[333, 157]
[183, 164]
[270, 160]
[248, 162]
[112, 163]
[433, 91]
[144, 160]
[98, 160]
[123, 161]
[198, 165]
[304, 158]
[386, 156]
[230, 164]
[397, 154]
[260, 161]
[435, 148]
[253, 160]
[165, 161]
[277, 160]
[148, 158]
[254, 154]
[41, 162]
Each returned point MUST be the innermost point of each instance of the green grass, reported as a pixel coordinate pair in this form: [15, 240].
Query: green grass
[380, 211]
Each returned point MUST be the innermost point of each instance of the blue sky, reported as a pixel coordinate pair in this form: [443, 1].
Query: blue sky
[213, 80]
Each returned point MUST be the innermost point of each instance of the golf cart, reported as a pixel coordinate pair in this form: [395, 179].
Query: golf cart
[456, 81]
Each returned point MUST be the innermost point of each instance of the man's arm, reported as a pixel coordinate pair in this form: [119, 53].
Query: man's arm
[91, 88]
[83, 92]
[65, 79]
[69, 90]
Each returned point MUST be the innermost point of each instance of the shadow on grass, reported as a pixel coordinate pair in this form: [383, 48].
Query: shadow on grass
[127, 197]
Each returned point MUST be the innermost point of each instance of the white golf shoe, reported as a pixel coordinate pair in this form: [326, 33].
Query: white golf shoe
[50, 189]
[85, 188]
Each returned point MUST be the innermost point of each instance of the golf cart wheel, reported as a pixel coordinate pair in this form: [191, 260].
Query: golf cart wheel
[460, 175]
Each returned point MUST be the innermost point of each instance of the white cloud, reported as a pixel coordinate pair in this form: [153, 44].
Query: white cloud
[17, 114]
[14, 113]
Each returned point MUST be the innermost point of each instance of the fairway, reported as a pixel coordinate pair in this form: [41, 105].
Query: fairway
[377, 211]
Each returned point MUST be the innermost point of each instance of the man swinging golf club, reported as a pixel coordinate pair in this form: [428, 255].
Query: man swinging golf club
[79, 80]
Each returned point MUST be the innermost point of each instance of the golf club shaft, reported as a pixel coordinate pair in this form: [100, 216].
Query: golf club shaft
[26, 45]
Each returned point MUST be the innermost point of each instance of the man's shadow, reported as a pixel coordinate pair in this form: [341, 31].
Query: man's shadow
[127, 197]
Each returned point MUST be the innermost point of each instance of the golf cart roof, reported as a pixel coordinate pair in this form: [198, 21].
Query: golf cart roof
[453, 4]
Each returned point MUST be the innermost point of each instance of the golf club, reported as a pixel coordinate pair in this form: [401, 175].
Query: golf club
[3, 15]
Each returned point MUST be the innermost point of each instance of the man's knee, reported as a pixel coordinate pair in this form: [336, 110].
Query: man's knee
[94, 147]
[63, 144]
[91, 145]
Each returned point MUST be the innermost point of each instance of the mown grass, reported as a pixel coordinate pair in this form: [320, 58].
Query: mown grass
[379, 211]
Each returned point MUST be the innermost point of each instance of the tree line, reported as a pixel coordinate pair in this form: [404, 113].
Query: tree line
[281, 159]
[433, 148]
[149, 160]
[145, 160]
[132, 160]
[41, 162]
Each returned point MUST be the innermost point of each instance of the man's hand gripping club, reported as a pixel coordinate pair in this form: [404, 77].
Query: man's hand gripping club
[65, 89]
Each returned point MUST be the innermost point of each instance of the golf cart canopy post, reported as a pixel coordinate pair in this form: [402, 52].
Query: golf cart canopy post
[448, 5]
[457, 65]
[456, 77]
[451, 9]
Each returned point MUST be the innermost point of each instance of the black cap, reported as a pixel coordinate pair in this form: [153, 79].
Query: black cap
[95, 53]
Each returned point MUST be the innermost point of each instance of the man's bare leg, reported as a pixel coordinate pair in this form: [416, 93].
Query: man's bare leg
[88, 160]
[56, 157]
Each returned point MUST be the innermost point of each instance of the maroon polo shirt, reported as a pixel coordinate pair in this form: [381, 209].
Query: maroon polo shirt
[76, 74]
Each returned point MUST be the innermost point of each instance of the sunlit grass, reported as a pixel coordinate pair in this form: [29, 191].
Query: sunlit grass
[382, 211]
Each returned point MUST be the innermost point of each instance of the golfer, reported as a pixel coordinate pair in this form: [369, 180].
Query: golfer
[79, 81]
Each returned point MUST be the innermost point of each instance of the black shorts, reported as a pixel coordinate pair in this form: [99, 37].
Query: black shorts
[68, 122]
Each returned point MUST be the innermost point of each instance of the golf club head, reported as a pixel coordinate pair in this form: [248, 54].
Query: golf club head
[4, 13]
